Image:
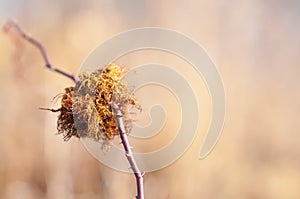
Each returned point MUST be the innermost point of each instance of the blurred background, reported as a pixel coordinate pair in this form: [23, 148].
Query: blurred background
[255, 45]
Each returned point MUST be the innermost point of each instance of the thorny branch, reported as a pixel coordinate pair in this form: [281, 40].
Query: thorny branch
[117, 110]
[138, 174]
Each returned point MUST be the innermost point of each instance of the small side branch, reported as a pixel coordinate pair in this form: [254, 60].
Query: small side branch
[11, 24]
[138, 174]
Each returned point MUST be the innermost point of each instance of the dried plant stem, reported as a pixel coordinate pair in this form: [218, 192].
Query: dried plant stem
[118, 114]
[11, 24]
[138, 174]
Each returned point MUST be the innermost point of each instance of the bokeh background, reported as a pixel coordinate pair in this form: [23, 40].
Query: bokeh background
[255, 45]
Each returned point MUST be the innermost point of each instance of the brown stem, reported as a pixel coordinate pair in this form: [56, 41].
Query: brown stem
[139, 176]
[11, 24]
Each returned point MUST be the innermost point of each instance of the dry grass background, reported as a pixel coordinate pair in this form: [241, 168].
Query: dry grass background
[255, 45]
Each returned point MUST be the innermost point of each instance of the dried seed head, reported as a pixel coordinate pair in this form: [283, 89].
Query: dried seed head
[86, 108]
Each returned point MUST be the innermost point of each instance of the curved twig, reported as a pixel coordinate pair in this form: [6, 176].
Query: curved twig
[11, 24]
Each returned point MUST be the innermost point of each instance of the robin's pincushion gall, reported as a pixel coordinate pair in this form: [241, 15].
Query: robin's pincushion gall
[86, 108]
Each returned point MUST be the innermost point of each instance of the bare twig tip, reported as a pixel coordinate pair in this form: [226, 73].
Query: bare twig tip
[49, 109]
[12, 24]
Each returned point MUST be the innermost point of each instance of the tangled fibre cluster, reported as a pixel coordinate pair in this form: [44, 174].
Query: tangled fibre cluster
[86, 108]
